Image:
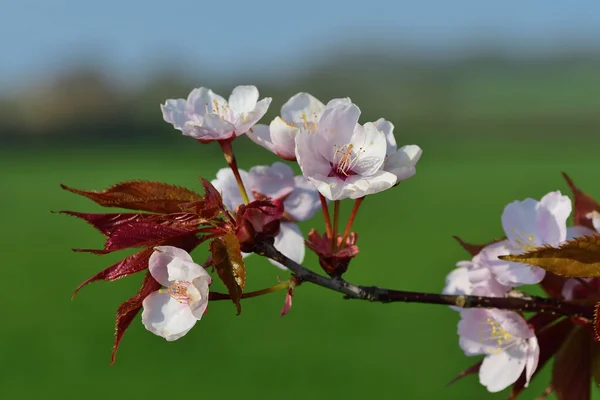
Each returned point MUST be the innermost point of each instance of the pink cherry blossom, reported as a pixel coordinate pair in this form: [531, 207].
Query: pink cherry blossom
[173, 311]
[399, 161]
[508, 343]
[529, 224]
[475, 277]
[300, 113]
[301, 201]
[206, 116]
[342, 158]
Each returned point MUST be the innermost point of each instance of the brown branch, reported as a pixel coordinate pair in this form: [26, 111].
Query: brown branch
[521, 303]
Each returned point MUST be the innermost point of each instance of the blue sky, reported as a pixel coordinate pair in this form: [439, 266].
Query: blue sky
[131, 38]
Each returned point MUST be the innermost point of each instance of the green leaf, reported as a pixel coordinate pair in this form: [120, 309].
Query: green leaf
[228, 261]
[577, 258]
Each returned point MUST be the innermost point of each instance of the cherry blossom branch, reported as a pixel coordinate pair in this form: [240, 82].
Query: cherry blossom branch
[515, 301]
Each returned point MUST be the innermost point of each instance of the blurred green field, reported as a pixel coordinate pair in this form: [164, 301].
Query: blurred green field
[326, 347]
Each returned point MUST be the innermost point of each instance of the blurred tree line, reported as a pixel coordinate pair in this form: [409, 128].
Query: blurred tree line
[474, 95]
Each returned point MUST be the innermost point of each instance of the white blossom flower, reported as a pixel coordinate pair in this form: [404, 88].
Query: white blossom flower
[301, 201]
[508, 343]
[399, 161]
[475, 277]
[529, 224]
[300, 113]
[173, 311]
[342, 158]
[206, 116]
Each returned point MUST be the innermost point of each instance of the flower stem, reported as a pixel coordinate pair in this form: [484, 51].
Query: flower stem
[326, 215]
[222, 296]
[336, 218]
[230, 158]
[357, 204]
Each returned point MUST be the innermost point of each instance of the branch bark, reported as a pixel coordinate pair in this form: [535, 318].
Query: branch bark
[520, 303]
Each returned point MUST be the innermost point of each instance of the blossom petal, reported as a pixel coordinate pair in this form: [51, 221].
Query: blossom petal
[283, 136]
[290, 243]
[342, 101]
[273, 181]
[332, 188]
[371, 146]
[338, 124]
[387, 128]
[249, 119]
[198, 295]
[202, 101]
[166, 317]
[211, 127]
[261, 135]
[243, 99]
[595, 217]
[160, 260]
[226, 184]
[180, 270]
[174, 112]
[502, 369]
[310, 160]
[364, 185]
[520, 219]
[515, 274]
[578, 231]
[512, 322]
[402, 163]
[302, 107]
[303, 202]
[552, 225]
[533, 357]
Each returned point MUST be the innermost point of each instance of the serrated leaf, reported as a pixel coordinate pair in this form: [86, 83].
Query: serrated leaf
[139, 261]
[129, 265]
[228, 261]
[577, 258]
[584, 204]
[141, 195]
[571, 375]
[106, 223]
[129, 309]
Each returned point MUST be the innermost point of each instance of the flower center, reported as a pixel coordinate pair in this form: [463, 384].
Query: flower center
[344, 160]
[178, 291]
[523, 242]
[310, 126]
[222, 111]
[499, 337]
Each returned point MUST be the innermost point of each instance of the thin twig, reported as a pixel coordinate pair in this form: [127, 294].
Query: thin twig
[377, 294]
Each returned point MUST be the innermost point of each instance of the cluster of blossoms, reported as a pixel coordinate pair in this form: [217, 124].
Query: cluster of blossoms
[339, 157]
[516, 347]
[256, 211]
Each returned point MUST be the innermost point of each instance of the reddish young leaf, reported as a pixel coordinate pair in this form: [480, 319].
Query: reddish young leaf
[473, 369]
[597, 322]
[141, 195]
[553, 284]
[584, 205]
[228, 261]
[139, 261]
[550, 338]
[571, 375]
[142, 234]
[474, 249]
[129, 309]
[106, 223]
[127, 266]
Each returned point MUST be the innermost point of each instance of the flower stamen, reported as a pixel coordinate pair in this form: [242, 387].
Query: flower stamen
[178, 291]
